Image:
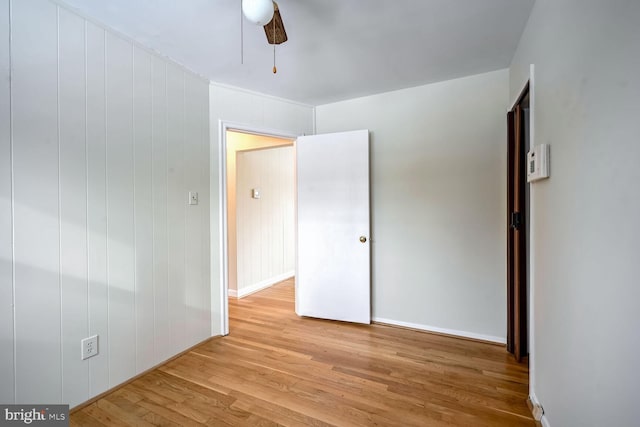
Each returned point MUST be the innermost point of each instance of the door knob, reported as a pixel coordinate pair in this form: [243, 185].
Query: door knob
[363, 239]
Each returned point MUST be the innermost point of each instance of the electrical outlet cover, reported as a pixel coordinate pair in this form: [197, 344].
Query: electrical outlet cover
[89, 347]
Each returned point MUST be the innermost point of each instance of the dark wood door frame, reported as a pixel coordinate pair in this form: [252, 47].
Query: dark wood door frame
[517, 319]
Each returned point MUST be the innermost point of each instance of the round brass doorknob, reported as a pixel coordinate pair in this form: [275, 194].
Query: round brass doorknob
[363, 239]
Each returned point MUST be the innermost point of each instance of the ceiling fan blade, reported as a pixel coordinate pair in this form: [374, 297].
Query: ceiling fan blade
[274, 30]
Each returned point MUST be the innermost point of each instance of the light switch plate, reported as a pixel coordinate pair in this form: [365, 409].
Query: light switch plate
[193, 197]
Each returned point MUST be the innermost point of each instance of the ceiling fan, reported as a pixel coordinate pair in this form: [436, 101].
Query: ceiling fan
[267, 14]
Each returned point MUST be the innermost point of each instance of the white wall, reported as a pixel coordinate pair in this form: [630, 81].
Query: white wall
[438, 182]
[587, 240]
[265, 226]
[6, 250]
[101, 142]
[237, 142]
[250, 110]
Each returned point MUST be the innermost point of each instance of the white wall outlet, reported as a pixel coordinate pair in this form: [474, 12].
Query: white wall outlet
[89, 347]
[255, 193]
[193, 197]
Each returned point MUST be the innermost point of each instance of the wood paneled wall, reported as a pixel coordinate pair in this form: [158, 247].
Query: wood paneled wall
[265, 227]
[100, 143]
[6, 247]
[238, 142]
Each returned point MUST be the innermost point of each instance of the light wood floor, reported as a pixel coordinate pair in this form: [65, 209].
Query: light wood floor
[278, 369]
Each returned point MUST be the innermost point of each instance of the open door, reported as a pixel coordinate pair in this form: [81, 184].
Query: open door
[333, 272]
[517, 329]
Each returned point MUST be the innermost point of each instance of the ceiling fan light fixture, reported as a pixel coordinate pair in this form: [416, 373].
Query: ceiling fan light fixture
[274, 30]
[258, 12]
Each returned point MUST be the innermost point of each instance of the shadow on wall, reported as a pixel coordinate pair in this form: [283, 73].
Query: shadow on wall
[139, 326]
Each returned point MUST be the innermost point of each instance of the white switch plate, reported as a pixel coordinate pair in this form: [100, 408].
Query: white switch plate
[89, 347]
[193, 197]
[255, 193]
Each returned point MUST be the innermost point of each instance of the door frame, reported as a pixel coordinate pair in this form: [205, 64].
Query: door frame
[530, 78]
[223, 127]
[517, 248]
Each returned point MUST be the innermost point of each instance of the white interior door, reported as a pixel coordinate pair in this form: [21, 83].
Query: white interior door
[333, 272]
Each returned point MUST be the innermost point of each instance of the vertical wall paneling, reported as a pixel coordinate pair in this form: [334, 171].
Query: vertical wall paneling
[120, 211]
[264, 226]
[145, 336]
[284, 115]
[246, 179]
[73, 204]
[203, 125]
[97, 207]
[177, 201]
[36, 222]
[7, 383]
[288, 214]
[237, 142]
[237, 105]
[160, 225]
[97, 153]
[193, 238]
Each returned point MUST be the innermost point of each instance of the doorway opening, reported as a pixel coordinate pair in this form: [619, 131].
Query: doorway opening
[258, 216]
[260, 212]
[518, 231]
[331, 220]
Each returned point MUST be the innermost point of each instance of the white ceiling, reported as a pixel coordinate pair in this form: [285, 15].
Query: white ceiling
[337, 49]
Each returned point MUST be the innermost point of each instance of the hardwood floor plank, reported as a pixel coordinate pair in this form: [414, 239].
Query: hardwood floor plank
[82, 418]
[277, 369]
[101, 416]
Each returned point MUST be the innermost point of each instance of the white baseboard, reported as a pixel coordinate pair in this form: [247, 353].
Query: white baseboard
[252, 289]
[534, 401]
[465, 334]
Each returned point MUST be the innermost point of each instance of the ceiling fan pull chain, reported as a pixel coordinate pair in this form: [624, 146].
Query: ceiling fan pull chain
[275, 70]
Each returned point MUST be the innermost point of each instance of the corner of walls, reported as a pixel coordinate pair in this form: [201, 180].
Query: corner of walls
[259, 286]
[533, 399]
